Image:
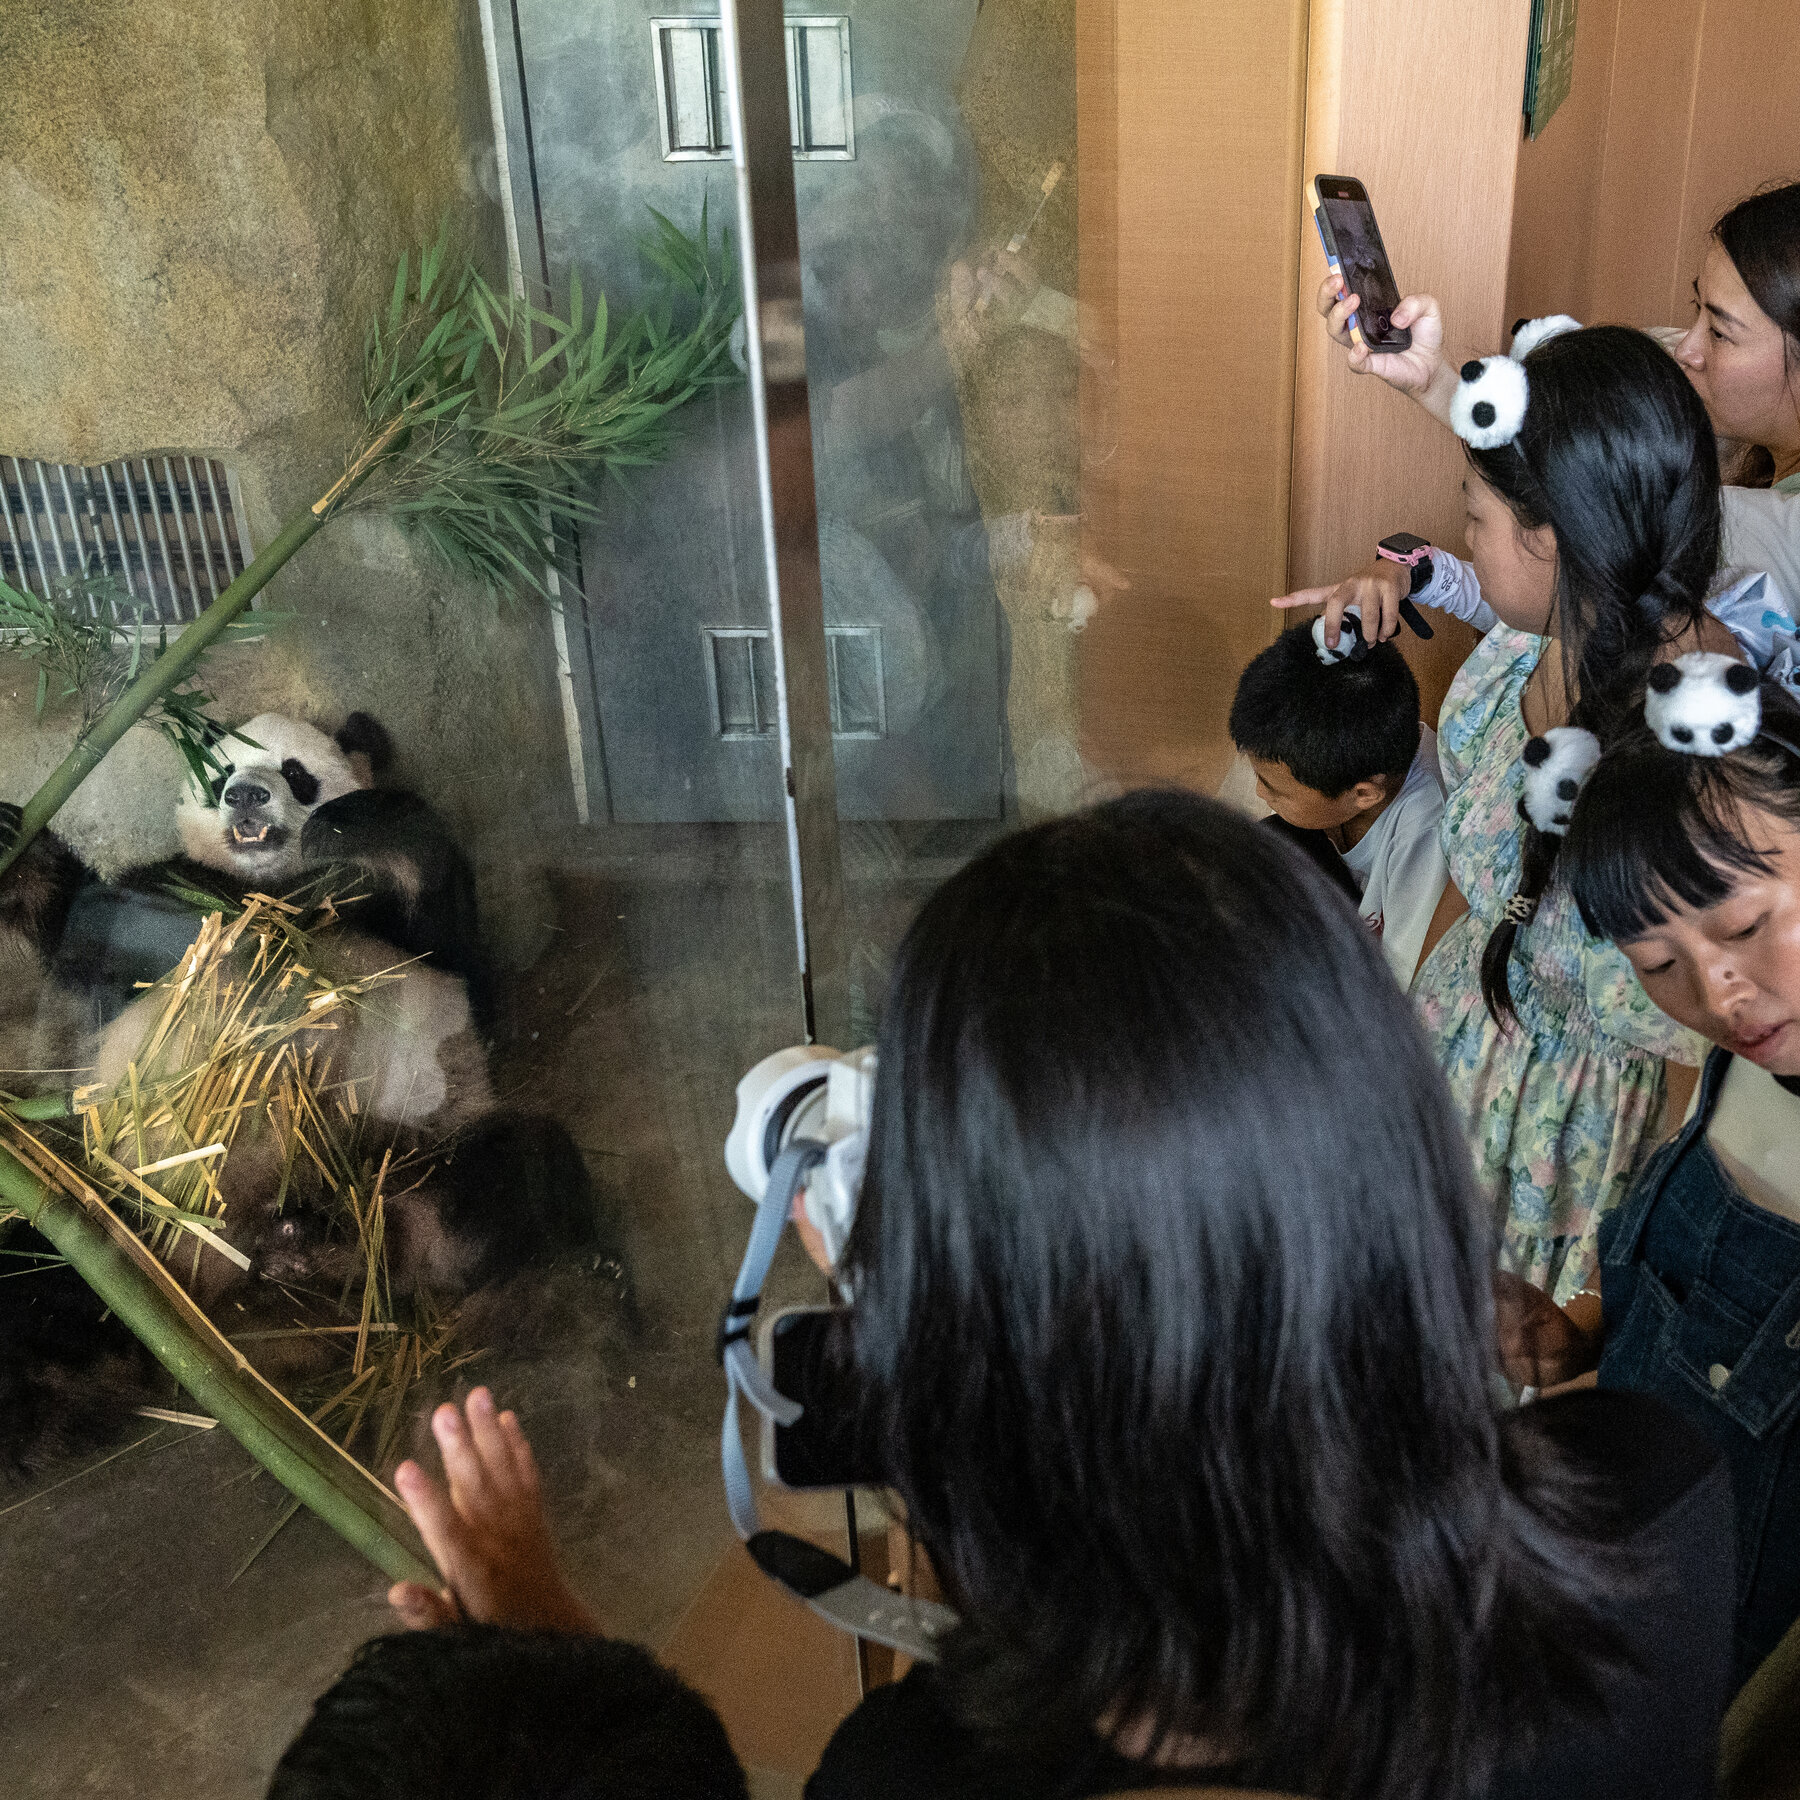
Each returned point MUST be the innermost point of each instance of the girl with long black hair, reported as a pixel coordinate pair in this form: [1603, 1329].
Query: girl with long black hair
[1174, 1325]
[1741, 352]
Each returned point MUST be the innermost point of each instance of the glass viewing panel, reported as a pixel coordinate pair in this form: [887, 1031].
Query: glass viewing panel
[607, 761]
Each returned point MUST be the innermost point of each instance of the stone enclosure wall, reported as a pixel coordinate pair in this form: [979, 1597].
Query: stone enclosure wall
[204, 202]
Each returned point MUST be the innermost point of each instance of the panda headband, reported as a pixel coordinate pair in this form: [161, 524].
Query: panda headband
[1488, 407]
[1700, 704]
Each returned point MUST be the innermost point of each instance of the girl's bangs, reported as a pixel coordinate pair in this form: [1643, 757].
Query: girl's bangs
[1656, 834]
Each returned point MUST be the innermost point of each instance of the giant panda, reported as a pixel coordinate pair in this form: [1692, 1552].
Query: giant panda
[297, 815]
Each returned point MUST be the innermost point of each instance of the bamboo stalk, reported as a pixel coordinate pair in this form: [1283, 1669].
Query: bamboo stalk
[111, 1260]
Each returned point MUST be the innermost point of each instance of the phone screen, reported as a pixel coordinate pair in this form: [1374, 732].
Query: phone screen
[1362, 261]
[806, 1363]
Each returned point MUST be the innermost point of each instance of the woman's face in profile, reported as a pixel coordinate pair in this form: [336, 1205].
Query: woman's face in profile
[1738, 359]
[1516, 567]
[1732, 971]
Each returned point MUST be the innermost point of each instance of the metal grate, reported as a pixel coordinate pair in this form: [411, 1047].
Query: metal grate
[690, 89]
[170, 528]
[740, 668]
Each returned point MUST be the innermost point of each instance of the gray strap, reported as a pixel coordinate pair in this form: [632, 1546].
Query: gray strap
[743, 1373]
[825, 1582]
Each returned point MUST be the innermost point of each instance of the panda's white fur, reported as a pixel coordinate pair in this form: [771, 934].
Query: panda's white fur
[1350, 637]
[252, 831]
[1703, 704]
[409, 1045]
[1555, 766]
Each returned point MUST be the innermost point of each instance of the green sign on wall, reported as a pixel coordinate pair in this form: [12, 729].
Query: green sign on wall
[1549, 62]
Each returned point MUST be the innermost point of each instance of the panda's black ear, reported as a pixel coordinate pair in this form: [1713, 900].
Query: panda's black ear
[1664, 677]
[1740, 678]
[1536, 752]
[361, 735]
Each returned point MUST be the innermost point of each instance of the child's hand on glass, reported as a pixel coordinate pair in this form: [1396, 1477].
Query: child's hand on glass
[486, 1532]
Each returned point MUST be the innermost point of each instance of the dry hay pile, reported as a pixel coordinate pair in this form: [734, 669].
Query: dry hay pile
[235, 1095]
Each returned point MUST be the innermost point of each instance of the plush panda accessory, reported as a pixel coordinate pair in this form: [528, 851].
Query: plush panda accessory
[1488, 407]
[1556, 765]
[1703, 704]
[1352, 646]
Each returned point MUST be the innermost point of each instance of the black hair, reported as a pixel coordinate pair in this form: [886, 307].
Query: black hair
[477, 1713]
[1178, 1335]
[1761, 235]
[1657, 829]
[1332, 725]
[1617, 457]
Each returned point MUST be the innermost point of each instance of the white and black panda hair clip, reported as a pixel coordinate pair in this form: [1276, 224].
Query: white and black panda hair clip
[1556, 765]
[1703, 704]
[1352, 646]
[1488, 407]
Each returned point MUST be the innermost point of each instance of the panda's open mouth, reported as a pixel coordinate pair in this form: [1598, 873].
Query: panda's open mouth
[254, 834]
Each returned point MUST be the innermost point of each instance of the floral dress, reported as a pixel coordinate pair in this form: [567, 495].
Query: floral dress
[1561, 1108]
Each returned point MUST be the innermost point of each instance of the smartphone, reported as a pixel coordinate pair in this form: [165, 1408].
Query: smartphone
[1354, 249]
[802, 1350]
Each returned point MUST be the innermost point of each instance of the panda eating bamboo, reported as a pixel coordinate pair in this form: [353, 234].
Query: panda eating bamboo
[84, 968]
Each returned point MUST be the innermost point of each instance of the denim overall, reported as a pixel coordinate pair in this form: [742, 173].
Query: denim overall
[1700, 1290]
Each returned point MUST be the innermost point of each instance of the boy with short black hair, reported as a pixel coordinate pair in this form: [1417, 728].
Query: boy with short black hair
[474, 1712]
[1339, 751]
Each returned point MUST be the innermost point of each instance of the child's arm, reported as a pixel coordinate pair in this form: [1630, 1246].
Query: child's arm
[1376, 592]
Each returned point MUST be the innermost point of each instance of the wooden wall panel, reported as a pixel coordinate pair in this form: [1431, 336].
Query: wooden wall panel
[1433, 134]
[1637, 223]
[1550, 265]
[1746, 122]
[1189, 121]
[1679, 108]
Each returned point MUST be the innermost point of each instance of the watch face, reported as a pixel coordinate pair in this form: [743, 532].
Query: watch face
[1403, 543]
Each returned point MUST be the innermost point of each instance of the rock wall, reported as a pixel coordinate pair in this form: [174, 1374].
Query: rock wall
[203, 203]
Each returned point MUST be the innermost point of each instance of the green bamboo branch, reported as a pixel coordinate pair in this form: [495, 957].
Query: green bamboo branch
[479, 443]
[108, 1256]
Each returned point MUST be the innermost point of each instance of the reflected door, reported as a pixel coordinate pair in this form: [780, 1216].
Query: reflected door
[625, 112]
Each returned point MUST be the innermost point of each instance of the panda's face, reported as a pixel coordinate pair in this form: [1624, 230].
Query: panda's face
[280, 773]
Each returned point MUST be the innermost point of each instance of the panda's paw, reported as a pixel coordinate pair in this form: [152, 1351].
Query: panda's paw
[11, 818]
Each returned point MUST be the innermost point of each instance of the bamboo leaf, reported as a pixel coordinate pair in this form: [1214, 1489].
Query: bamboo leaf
[398, 302]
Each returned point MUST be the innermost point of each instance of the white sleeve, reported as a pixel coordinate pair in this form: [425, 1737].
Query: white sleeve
[1413, 885]
[1454, 589]
[1762, 531]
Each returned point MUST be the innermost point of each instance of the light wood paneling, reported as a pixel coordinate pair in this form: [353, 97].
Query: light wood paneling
[1679, 108]
[1189, 122]
[1433, 134]
[1746, 122]
[1637, 226]
[1551, 264]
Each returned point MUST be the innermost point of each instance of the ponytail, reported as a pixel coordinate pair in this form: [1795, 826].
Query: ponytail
[1553, 767]
[1537, 861]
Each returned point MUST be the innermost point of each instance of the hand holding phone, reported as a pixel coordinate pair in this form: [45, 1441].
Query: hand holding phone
[1353, 247]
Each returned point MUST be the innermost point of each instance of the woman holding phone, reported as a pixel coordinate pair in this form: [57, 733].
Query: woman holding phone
[1691, 864]
[1742, 354]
